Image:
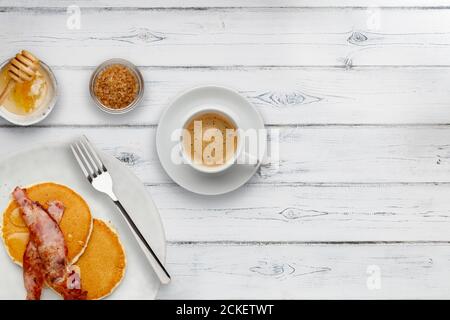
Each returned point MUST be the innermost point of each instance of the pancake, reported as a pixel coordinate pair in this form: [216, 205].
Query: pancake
[103, 263]
[76, 223]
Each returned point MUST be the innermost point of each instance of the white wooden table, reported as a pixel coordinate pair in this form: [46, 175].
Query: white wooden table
[361, 96]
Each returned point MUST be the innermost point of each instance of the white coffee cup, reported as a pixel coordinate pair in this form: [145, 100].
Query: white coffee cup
[229, 116]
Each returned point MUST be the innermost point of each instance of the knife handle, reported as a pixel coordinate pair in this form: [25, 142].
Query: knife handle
[152, 258]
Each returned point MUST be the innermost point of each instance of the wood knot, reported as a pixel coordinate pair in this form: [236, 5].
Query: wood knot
[295, 213]
[272, 269]
[357, 38]
[284, 270]
[148, 36]
[286, 99]
[128, 158]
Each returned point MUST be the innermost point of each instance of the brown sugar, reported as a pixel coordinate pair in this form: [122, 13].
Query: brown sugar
[116, 86]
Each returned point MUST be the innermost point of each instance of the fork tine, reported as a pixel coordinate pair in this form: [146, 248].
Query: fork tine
[85, 162]
[89, 158]
[80, 163]
[94, 154]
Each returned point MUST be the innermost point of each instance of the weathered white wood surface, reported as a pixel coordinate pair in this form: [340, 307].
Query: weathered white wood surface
[359, 93]
[406, 199]
[308, 271]
[290, 213]
[344, 154]
[232, 36]
[224, 3]
[284, 96]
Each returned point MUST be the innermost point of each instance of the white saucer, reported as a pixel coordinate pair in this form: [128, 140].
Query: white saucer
[172, 119]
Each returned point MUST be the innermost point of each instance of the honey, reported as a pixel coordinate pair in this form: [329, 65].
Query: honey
[26, 96]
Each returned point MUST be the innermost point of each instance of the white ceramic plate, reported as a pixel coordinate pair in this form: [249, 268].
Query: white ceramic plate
[56, 164]
[173, 118]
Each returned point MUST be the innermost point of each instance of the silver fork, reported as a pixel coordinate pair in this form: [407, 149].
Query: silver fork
[97, 174]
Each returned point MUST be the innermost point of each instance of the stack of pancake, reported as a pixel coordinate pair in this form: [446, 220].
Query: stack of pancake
[91, 243]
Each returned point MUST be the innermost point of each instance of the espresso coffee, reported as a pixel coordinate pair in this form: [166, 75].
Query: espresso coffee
[210, 139]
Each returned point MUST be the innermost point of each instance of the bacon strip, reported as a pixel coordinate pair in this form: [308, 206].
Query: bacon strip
[51, 248]
[56, 210]
[33, 269]
[33, 272]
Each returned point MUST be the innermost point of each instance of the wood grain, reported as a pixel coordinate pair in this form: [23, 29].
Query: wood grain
[284, 96]
[240, 271]
[307, 213]
[227, 3]
[303, 209]
[232, 36]
[358, 91]
[346, 154]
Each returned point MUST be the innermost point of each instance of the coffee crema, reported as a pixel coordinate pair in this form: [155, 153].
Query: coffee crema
[210, 139]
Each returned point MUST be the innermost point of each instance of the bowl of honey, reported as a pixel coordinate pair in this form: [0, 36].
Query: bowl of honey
[29, 102]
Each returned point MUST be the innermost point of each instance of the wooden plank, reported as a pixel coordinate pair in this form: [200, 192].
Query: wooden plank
[221, 3]
[307, 213]
[283, 96]
[232, 36]
[346, 154]
[302, 271]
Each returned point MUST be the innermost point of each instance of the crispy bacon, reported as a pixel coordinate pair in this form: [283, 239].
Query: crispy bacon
[56, 210]
[49, 244]
[33, 272]
[33, 269]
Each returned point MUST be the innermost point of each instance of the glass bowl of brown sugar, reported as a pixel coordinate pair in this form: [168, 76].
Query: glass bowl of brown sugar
[116, 86]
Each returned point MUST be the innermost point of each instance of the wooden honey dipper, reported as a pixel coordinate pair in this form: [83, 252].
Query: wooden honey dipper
[21, 68]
